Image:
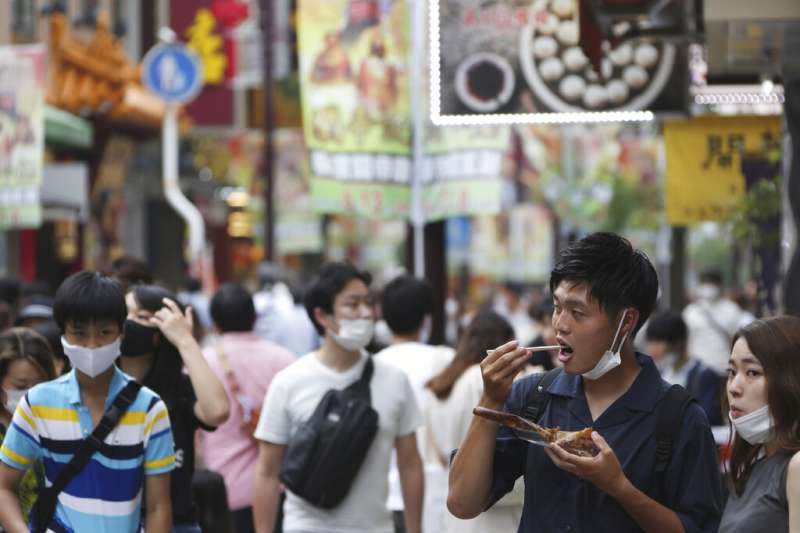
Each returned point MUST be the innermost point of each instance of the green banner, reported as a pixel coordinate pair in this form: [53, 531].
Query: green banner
[22, 70]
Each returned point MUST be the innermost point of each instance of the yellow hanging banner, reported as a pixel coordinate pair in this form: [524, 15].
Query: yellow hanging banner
[704, 178]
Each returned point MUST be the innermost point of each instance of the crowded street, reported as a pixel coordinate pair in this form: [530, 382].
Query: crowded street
[399, 266]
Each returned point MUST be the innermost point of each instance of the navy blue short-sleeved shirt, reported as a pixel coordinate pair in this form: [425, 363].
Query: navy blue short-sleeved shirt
[557, 501]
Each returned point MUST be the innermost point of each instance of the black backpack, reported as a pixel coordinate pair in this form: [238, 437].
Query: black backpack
[326, 452]
[668, 422]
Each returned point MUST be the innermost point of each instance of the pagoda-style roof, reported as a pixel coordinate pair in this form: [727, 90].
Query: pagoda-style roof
[95, 79]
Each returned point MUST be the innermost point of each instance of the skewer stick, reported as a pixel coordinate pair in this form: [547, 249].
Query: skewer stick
[535, 349]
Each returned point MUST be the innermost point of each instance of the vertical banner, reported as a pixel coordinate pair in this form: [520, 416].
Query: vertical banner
[704, 155]
[22, 73]
[356, 104]
[356, 100]
[298, 228]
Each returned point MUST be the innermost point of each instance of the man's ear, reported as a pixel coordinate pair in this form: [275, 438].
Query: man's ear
[322, 318]
[631, 319]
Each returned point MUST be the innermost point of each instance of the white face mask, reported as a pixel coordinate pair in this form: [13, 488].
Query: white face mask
[92, 361]
[354, 334]
[707, 292]
[13, 397]
[755, 427]
[610, 359]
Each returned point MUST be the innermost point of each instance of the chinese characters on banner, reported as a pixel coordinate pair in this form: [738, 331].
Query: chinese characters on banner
[356, 99]
[22, 72]
[704, 178]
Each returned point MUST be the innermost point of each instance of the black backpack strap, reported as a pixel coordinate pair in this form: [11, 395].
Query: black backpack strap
[538, 398]
[45, 507]
[361, 386]
[668, 425]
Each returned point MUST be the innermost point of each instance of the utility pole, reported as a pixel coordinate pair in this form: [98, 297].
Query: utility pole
[267, 17]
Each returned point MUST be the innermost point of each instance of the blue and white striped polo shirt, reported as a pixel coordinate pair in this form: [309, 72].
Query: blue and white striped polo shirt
[49, 425]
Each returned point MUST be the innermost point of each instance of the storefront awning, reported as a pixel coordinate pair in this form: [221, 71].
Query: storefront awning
[67, 130]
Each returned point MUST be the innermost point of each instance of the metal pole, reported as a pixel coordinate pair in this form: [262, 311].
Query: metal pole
[172, 190]
[418, 130]
[269, 123]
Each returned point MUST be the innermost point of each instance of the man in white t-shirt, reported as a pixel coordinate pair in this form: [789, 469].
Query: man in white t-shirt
[407, 304]
[712, 320]
[340, 306]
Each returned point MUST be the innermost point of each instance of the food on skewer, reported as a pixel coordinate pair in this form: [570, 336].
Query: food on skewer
[575, 442]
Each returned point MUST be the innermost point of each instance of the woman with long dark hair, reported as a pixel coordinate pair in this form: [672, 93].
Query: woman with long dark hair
[25, 360]
[157, 345]
[763, 403]
[453, 393]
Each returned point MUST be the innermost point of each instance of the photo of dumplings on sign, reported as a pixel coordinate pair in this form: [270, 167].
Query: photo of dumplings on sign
[512, 56]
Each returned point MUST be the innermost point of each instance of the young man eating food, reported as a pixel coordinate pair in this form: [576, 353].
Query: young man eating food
[603, 291]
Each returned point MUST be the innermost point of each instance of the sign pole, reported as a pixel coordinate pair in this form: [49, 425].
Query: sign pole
[418, 133]
[175, 74]
[172, 191]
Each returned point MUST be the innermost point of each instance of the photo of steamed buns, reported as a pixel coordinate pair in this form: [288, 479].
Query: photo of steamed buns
[572, 87]
[561, 76]
[574, 59]
[568, 33]
[635, 76]
[544, 47]
[552, 69]
[646, 55]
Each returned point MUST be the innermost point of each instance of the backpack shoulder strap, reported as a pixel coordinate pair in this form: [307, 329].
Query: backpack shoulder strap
[669, 415]
[361, 385]
[45, 506]
[537, 400]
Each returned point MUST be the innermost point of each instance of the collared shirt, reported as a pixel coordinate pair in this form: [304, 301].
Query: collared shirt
[49, 425]
[557, 501]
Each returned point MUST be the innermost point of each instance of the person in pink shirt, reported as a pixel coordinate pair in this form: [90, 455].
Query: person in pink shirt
[246, 364]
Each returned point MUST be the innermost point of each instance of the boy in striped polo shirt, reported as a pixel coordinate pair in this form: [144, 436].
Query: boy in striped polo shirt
[54, 417]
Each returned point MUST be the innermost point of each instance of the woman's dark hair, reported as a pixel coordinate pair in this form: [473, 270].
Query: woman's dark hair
[332, 279]
[617, 275]
[164, 376]
[24, 343]
[89, 296]
[486, 331]
[232, 308]
[776, 344]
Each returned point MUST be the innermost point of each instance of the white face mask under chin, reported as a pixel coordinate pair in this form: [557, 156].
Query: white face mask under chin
[354, 334]
[92, 361]
[610, 359]
[755, 427]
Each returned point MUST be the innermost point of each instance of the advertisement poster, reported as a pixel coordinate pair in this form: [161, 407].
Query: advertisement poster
[299, 227]
[522, 57]
[463, 170]
[704, 179]
[22, 72]
[356, 99]
[356, 104]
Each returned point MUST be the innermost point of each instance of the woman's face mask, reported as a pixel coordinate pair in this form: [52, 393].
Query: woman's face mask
[92, 361]
[138, 339]
[755, 427]
[13, 397]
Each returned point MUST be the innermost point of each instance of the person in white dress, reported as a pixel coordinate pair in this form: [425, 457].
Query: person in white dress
[452, 395]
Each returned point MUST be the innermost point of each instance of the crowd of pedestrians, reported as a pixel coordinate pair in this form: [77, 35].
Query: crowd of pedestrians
[125, 406]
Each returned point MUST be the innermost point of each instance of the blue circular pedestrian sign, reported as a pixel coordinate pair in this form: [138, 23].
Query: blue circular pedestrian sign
[172, 72]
